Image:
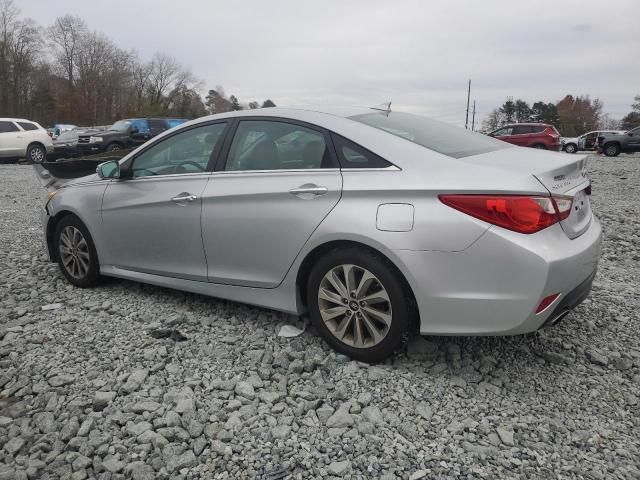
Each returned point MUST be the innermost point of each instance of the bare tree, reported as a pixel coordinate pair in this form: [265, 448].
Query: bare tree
[66, 35]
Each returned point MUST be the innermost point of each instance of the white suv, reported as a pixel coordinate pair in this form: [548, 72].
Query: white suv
[24, 139]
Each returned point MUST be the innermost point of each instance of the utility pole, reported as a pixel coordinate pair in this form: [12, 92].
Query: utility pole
[473, 117]
[466, 120]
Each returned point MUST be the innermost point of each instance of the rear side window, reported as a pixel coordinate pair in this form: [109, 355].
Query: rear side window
[521, 129]
[538, 129]
[7, 127]
[28, 126]
[275, 145]
[352, 155]
[440, 137]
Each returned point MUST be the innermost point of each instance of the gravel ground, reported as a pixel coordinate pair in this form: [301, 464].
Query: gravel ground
[87, 392]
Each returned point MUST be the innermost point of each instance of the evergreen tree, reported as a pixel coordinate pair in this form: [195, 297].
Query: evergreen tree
[268, 103]
[235, 105]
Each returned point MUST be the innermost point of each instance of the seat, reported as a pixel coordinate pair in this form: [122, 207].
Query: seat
[264, 156]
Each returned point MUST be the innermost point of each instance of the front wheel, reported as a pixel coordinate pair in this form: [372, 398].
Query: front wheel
[358, 304]
[76, 253]
[571, 148]
[611, 149]
[36, 153]
[114, 147]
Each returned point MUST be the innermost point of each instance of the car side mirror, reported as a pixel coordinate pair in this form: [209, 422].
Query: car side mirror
[107, 170]
[630, 134]
[134, 130]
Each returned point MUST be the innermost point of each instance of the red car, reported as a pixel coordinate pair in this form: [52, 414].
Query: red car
[534, 135]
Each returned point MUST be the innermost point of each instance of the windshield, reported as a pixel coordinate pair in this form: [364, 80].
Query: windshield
[120, 126]
[441, 137]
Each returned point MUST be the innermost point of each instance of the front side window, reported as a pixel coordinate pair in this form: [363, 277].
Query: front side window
[141, 125]
[503, 132]
[7, 127]
[275, 145]
[27, 126]
[187, 152]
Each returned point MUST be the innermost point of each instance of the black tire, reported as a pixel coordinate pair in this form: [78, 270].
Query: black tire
[571, 148]
[539, 146]
[611, 149]
[92, 275]
[113, 147]
[36, 153]
[386, 277]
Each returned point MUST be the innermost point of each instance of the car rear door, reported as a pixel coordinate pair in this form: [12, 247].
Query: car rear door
[278, 180]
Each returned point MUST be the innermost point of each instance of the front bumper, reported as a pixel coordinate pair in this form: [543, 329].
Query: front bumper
[494, 286]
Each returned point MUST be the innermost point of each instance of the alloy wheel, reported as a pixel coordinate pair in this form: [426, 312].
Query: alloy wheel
[74, 252]
[355, 306]
[37, 155]
[611, 150]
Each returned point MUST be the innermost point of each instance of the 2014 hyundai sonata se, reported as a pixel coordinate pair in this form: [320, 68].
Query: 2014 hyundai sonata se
[372, 221]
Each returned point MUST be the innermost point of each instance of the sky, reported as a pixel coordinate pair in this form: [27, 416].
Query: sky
[417, 54]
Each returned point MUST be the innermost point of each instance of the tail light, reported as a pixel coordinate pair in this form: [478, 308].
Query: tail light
[522, 214]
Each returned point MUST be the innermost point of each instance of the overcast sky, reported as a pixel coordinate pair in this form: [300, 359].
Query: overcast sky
[418, 54]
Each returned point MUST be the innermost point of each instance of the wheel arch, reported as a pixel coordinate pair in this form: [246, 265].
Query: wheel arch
[36, 143]
[319, 251]
[51, 231]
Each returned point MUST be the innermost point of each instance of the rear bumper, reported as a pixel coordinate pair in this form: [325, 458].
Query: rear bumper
[571, 300]
[495, 286]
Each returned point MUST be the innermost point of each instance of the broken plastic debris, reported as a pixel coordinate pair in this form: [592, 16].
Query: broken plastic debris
[289, 331]
[51, 306]
[172, 333]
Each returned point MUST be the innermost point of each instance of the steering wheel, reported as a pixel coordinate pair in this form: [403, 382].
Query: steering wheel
[199, 167]
[151, 172]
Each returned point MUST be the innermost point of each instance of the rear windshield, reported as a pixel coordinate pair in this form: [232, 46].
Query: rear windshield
[441, 137]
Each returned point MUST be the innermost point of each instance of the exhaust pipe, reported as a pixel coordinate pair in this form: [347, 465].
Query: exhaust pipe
[559, 317]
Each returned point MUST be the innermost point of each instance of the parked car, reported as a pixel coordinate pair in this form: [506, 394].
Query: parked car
[21, 138]
[613, 145]
[535, 135]
[59, 128]
[373, 222]
[127, 133]
[587, 141]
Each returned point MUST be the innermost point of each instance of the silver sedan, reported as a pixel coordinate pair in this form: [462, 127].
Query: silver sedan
[376, 223]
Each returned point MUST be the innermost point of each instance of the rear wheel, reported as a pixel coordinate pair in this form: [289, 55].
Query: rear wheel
[36, 153]
[539, 146]
[76, 252]
[358, 304]
[611, 150]
[571, 148]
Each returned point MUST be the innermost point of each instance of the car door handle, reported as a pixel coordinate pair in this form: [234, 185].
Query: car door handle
[309, 189]
[184, 197]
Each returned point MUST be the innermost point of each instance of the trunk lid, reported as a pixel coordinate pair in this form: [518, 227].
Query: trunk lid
[559, 173]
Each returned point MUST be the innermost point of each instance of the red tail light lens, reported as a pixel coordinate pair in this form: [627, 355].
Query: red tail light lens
[522, 214]
[546, 301]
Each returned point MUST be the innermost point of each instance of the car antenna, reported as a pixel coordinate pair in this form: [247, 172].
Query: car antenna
[383, 107]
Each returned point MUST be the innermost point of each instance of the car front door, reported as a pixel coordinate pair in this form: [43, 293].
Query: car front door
[633, 143]
[590, 139]
[521, 135]
[151, 218]
[12, 140]
[279, 181]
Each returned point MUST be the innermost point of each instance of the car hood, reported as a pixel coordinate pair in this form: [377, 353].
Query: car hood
[101, 133]
[568, 139]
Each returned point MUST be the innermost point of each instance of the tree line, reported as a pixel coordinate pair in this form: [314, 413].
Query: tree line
[68, 73]
[572, 116]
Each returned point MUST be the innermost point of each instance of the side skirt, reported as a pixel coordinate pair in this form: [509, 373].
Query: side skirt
[282, 298]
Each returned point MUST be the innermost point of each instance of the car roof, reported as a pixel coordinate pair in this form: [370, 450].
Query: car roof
[16, 120]
[528, 124]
